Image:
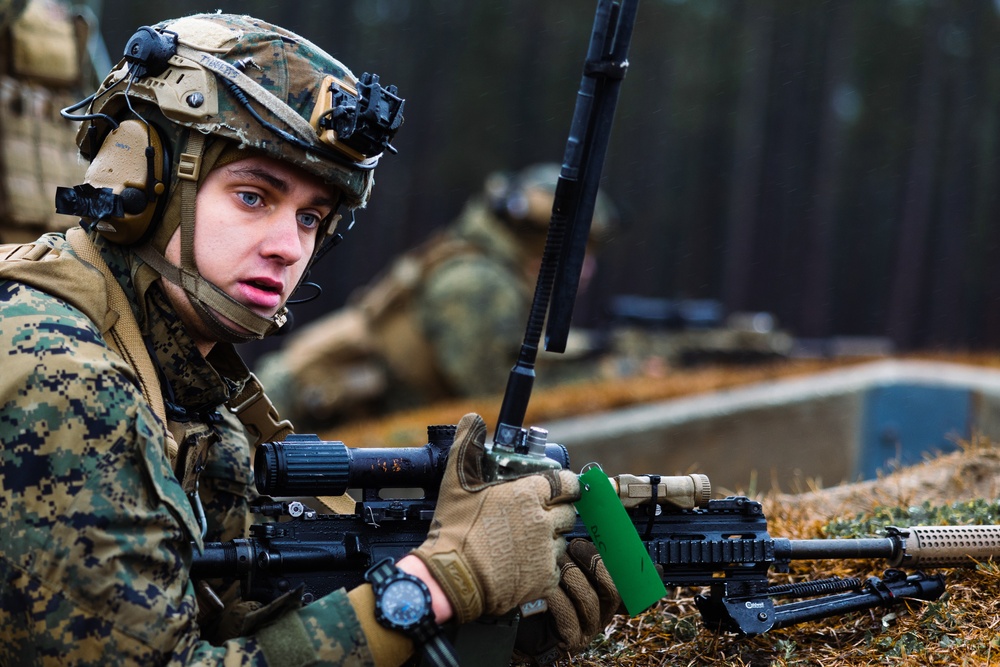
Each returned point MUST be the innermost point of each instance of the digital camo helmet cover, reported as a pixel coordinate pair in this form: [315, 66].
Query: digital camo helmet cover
[210, 83]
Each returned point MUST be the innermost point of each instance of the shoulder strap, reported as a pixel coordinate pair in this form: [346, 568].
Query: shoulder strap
[124, 335]
[258, 414]
[251, 405]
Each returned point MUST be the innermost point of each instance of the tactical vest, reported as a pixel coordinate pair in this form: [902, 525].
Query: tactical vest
[388, 312]
[43, 62]
[71, 279]
[349, 359]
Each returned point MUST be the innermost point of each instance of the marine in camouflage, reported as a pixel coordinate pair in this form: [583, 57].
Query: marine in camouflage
[98, 516]
[96, 530]
[44, 67]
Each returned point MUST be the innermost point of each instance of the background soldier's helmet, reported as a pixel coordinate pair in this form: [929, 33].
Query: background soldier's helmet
[524, 201]
[193, 93]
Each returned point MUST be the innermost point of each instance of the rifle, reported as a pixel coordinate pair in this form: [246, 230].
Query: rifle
[720, 545]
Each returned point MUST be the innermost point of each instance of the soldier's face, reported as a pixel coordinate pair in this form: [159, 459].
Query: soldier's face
[256, 222]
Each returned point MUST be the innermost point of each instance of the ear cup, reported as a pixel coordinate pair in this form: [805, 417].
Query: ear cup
[498, 189]
[522, 204]
[134, 201]
[131, 164]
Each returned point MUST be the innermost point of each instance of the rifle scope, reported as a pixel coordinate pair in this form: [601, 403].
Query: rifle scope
[304, 465]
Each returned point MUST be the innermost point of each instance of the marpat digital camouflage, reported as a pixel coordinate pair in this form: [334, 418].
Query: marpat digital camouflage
[95, 527]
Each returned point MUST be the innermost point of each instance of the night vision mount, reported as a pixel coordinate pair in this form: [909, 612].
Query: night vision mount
[367, 121]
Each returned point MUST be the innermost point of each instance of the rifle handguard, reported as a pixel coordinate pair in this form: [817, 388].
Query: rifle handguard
[945, 546]
[681, 491]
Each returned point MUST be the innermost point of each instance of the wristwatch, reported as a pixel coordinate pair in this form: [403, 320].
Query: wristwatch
[403, 604]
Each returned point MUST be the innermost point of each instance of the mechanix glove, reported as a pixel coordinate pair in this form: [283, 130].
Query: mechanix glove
[494, 546]
[578, 609]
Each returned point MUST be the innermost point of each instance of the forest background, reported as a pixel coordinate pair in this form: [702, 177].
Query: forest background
[834, 163]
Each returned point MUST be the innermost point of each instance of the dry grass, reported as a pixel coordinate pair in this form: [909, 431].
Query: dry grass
[409, 428]
[961, 628]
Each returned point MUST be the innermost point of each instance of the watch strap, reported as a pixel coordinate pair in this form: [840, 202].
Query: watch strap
[439, 652]
[381, 572]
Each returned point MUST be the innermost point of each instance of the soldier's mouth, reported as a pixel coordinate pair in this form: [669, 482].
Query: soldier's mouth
[266, 286]
[261, 293]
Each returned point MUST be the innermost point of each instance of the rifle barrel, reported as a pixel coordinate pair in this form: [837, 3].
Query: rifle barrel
[865, 547]
[915, 546]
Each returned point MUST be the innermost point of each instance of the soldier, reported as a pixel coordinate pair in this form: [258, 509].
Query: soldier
[445, 320]
[44, 66]
[214, 181]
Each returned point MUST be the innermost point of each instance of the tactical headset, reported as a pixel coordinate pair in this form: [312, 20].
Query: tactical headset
[125, 186]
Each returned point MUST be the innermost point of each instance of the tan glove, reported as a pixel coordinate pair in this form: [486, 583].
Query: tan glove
[494, 546]
[581, 607]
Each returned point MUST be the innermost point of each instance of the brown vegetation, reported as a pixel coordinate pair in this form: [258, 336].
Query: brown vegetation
[409, 428]
[958, 629]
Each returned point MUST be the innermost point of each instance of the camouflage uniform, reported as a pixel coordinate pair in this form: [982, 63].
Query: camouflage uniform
[96, 530]
[98, 513]
[445, 320]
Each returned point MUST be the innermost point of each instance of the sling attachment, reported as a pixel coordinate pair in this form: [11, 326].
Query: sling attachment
[255, 410]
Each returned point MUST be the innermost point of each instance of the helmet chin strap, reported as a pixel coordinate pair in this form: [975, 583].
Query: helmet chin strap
[207, 299]
[210, 301]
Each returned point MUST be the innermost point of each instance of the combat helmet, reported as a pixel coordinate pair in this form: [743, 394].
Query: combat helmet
[523, 200]
[193, 93]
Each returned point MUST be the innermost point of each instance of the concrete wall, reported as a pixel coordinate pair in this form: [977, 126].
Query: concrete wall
[825, 429]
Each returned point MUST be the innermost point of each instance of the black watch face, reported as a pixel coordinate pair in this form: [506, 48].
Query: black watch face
[403, 603]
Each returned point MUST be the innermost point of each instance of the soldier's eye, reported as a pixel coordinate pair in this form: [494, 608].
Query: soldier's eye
[249, 198]
[309, 220]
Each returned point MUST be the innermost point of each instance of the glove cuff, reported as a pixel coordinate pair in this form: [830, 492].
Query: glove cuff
[455, 577]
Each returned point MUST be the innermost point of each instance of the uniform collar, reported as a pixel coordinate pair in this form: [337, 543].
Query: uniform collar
[193, 385]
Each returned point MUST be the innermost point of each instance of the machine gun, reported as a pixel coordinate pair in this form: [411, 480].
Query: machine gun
[719, 545]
